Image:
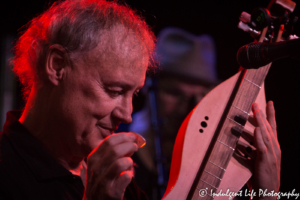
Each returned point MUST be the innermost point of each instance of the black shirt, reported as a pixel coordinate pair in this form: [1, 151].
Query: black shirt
[28, 171]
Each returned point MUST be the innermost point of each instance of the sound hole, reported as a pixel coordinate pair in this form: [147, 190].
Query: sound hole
[204, 124]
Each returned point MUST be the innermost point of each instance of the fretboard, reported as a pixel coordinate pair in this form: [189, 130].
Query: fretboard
[227, 136]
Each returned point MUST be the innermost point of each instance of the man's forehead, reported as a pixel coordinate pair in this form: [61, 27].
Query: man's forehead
[117, 46]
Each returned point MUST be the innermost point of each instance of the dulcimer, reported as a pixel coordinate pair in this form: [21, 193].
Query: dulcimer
[203, 161]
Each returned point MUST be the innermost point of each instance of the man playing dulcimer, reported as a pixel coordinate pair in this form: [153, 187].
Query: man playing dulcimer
[82, 61]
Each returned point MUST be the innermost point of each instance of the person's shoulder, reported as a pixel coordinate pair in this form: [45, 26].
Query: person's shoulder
[7, 167]
[10, 161]
[5, 149]
[7, 156]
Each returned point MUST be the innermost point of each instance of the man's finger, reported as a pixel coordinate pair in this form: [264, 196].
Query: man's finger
[262, 117]
[113, 153]
[263, 124]
[268, 136]
[245, 149]
[113, 140]
[121, 182]
[248, 136]
[271, 117]
[118, 138]
[259, 144]
[251, 120]
[119, 166]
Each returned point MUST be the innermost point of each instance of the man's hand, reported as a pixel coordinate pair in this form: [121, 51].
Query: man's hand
[268, 154]
[110, 168]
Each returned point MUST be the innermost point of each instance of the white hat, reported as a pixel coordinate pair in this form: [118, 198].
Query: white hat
[186, 55]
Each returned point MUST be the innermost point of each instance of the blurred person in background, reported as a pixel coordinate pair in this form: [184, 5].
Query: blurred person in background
[188, 73]
[81, 62]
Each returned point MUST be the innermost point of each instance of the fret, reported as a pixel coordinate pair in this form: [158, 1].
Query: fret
[213, 175]
[217, 166]
[223, 150]
[227, 138]
[246, 96]
[208, 184]
[202, 188]
[234, 121]
[240, 109]
[252, 83]
[257, 76]
[214, 170]
[210, 179]
[226, 145]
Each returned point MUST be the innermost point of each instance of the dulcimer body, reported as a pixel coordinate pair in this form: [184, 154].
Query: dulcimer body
[194, 139]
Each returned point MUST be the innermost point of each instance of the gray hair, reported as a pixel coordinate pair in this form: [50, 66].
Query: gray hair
[76, 25]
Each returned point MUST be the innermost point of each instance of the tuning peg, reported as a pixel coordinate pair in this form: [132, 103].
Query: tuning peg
[248, 29]
[260, 18]
[290, 27]
[245, 17]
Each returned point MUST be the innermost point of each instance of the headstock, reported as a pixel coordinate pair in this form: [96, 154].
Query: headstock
[271, 20]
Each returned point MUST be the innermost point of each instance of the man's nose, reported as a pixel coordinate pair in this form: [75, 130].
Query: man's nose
[124, 110]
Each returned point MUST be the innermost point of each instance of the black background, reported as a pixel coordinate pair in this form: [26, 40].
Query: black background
[219, 19]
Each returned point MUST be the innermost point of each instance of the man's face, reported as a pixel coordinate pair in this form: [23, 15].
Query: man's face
[96, 95]
[176, 98]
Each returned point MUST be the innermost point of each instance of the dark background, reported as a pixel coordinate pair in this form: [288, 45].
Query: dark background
[219, 19]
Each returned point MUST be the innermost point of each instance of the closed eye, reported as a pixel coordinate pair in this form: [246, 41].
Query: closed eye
[114, 93]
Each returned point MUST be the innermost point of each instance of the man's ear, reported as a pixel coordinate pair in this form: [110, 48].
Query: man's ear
[56, 61]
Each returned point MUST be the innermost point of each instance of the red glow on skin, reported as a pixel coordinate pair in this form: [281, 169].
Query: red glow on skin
[131, 172]
[39, 34]
[122, 173]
